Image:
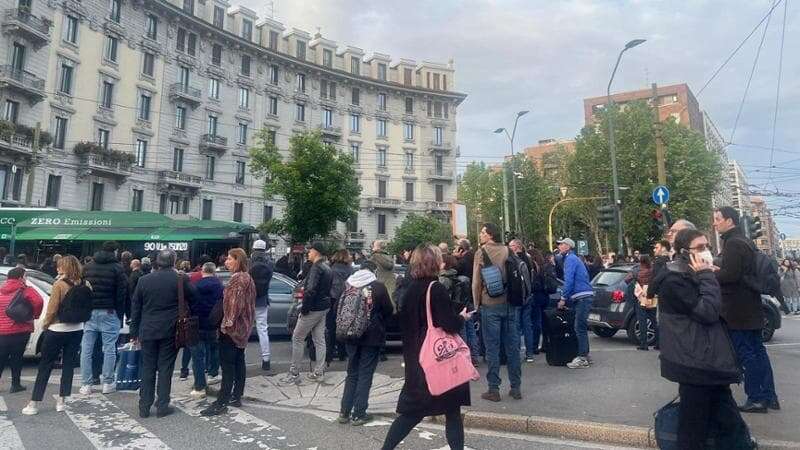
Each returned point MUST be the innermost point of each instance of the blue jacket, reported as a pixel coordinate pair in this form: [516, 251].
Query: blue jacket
[576, 277]
[209, 292]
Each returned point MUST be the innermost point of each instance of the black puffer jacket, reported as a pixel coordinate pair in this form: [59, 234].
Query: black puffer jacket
[741, 306]
[695, 347]
[317, 295]
[261, 269]
[109, 283]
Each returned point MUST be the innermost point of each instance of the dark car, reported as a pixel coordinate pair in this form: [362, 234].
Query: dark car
[611, 312]
[281, 297]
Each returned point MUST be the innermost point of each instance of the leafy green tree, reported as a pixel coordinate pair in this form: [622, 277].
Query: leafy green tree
[416, 230]
[535, 196]
[317, 182]
[481, 191]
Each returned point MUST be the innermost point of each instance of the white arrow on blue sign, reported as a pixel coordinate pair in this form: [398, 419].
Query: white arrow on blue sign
[661, 195]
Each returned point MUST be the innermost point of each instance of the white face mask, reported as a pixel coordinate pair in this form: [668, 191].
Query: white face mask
[706, 256]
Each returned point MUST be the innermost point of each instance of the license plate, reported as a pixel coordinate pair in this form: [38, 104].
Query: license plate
[594, 317]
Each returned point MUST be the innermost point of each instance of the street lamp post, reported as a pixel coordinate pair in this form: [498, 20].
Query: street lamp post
[611, 146]
[513, 168]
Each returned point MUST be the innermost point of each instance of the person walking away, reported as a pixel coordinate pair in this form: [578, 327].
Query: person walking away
[796, 302]
[205, 358]
[460, 289]
[133, 280]
[695, 350]
[261, 269]
[14, 335]
[62, 332]
[789, 284]
[109, 289]
[153, 323]
[316, 302]
[498, 318]
[415, 401]
[580, 295]
[238, 315]
[342, 268]
[362, 353]
[385, 265]
[741, 309]
[525, 319]
[147, 265]
[645, 308]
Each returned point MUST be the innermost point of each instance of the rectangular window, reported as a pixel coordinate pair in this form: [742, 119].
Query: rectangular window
[162, 204]
[208, 205]
[111, 48]
[444, 82]
[382, 188]
[327, 118]
[219, 17]
[244, 98]
[381, 223]
[436, 81]
[382, 127]
[301, 50]
[151, 26]
[355, 123]
[180, 40]
[332, 90]
[212, 125]
[242, 134]
[273, 75]
[97, 197]
[60, 133]
[53, 190]
[382, 101]
[439, 193]
[267, 215]
[327, 57]
[408, 131]
[381, 156]
[71, 29]
[409, 192]
[103, 138]
[437, 109]
[138, 200]
[144, 107]
[216, 55]
[439, 164]
[300, 113]
[273, 39]
[409, 105]
[183, 74]
[355, 151]
[188, 6]
[18, 57]
[191, 44]
[240, 172]
[273, 105]
[177, 160]
[116, 10]
[211, 162]
[301, 83]
[408, 75]
[323, 89]
[438, 135]
[409, 161]
[141, 152]
[247, 29]
[11, 112]
[355, 65]
[213, 88]
[272, 136]
[238, 211]
[245, 65]
[356, 97]
[382, 72]
[180, 117]
[148, 64]
[107, 97]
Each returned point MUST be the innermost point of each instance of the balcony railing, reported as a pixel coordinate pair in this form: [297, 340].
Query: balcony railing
[355, 236]
[112, 166]
[22, 20]
[22, 80]
[441, 144]
[17, 144]
[439, 206]
[330, 130]
[185, 92]
[440, 174]
[384, 203]
[213, 142]
[180, 178]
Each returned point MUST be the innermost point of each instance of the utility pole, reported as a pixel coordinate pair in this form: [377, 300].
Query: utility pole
[32, 167]
[506, 222]
[660, 153]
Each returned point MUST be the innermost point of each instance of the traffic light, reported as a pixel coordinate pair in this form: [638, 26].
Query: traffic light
[607, 217]
[754, 228]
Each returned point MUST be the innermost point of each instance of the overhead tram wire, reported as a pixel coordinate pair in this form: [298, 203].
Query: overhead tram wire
[778, 90]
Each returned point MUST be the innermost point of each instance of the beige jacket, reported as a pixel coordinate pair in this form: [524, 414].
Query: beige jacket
[498, 253]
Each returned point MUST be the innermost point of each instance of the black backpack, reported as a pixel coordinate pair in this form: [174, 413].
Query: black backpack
[767, 274]
[20, 310]
[518, 281]
[76, 307]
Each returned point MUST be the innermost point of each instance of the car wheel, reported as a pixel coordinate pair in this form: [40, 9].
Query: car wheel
[633, 332]
[768, 330]
[604, 332]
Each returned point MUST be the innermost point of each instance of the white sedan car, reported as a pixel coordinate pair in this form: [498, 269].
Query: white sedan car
[43, 284]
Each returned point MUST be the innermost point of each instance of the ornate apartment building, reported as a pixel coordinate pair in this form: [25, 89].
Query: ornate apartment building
[151, 105]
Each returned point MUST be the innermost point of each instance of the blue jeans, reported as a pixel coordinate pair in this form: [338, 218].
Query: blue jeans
[499, 326]
[525, 322]
[361, 363]
[470, 336]
[186, 356]
[582, 307]
[202, 356]
[105, 324]
[759, 384]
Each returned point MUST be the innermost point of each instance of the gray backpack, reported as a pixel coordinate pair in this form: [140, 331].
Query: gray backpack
[353, 313]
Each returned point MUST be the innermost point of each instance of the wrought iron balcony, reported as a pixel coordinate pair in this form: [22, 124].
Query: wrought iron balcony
[353, 236]
[440, 146]
[213, 142]
[179, 179]
[20, 20]
[384, 203]
[184, 92]
[17, 146]
[106, 166]
[439, 206]
[23, 82]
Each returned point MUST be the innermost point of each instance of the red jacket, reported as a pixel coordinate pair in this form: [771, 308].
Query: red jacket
[7, 293]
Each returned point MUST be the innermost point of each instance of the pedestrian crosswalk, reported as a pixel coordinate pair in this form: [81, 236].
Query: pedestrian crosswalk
[9, 438]
[107, 426]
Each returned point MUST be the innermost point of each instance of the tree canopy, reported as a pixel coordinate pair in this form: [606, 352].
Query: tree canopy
[416, 230]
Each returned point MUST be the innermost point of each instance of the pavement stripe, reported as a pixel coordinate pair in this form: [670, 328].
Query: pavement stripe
[9, 438]
[108, 427]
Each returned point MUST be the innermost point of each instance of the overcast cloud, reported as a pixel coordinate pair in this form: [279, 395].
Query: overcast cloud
[546, 56]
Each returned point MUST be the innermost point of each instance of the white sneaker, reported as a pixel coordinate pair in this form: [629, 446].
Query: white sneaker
[198, 394]
[109, 388]
[578, 363]
[213, 380]
[61, 404]
[31, 409]
[86, 389]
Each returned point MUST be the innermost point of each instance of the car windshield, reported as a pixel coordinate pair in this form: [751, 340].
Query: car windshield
[36, 281]
[609, 278]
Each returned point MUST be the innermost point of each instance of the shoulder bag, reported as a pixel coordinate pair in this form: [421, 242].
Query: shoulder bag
[187, 329]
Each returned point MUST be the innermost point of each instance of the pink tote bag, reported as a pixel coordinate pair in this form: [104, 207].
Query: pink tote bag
[444, 357]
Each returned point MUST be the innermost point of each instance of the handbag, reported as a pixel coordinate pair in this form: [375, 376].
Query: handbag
[641, 294]
[187, 329]
[20, 310]
[129, 365]
[445, 358]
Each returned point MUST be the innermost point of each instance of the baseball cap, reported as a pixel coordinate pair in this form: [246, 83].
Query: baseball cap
[259, 245]
[567, 241]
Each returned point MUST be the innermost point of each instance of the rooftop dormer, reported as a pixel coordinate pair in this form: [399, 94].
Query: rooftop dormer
[324, 50]
[406, 72]
[269, 34]
[352, 57]
[379, 66]
[243, 22]
[297, 43]
[216, 12]
[436, 76]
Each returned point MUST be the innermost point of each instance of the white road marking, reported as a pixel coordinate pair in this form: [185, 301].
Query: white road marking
[9, 438]
[787, 344]
[107, 426]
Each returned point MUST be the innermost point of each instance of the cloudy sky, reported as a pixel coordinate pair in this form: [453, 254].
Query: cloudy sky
[546, 56]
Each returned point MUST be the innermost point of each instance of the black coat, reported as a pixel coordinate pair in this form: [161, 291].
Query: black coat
[155, 304]
[465, 264]
[317, 294]
[261, 269]
[741, 306]
[340, 272]
[209, 293]
[109, 283]
[415, 398]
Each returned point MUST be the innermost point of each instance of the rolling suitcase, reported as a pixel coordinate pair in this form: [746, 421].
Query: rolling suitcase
[560, 342]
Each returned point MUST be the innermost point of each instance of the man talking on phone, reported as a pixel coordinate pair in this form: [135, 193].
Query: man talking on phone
[741, 309]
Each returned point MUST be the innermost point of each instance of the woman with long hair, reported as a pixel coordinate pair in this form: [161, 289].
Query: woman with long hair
[341, 268]
[238, 315]
[416, 402]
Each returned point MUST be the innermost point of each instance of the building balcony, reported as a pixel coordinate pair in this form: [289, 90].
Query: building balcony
[441, 175]
[330, 131]
[21, 21]
[441, 147]
[186, 93]
[23, 82]
[353, 236]
[17, 146]
[384, 203]
[439, 206]
[172, 180]
[105, 166]
[214, 143]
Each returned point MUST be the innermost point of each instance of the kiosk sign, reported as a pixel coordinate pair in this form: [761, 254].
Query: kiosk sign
[158, 246]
